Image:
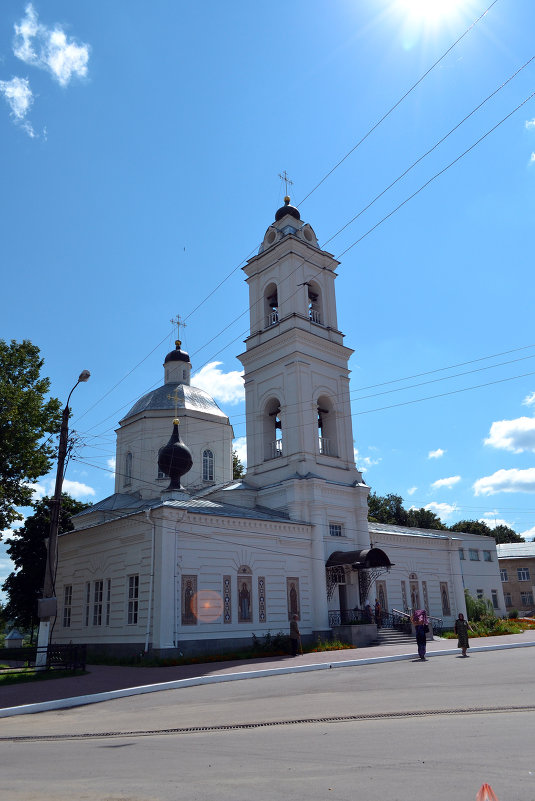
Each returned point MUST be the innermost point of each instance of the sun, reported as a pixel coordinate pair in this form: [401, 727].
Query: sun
[430, 11]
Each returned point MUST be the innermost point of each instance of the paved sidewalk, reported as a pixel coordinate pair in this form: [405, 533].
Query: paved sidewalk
[104, 678]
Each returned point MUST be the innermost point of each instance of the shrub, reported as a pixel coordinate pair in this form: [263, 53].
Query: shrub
[513, 614]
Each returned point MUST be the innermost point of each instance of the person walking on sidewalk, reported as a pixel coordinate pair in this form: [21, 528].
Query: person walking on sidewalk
[295, 636]
[461, 630]
[421, 627]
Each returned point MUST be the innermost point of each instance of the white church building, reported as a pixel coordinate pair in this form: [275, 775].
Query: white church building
[184, 559]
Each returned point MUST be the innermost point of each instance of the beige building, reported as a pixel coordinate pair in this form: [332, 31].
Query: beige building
[517, 572]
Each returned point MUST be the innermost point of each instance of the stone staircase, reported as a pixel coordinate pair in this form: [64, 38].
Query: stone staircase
[387, 636]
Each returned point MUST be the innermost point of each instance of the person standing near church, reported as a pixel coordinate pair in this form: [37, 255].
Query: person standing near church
[377, 614]
[461, 630]
[420, 622]
[295, 636]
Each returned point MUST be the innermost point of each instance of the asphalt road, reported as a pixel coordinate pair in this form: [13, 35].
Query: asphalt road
[466, 732]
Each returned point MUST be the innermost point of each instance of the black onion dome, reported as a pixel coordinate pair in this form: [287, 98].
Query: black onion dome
[177, 355]
[287, 209]
[175, 459]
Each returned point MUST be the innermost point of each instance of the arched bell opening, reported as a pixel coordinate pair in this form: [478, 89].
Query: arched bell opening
[271, 305]
[327, 427]
[273, 433]
[315, 309]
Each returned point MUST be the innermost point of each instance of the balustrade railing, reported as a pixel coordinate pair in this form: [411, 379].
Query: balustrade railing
[315, 316]
[276, 448]
[395, 619]
[272, 319]
[325, 446]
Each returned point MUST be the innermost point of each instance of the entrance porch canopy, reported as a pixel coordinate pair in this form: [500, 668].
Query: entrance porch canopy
[360, 560]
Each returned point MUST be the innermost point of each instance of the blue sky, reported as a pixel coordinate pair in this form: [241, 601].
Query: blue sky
[142, 146]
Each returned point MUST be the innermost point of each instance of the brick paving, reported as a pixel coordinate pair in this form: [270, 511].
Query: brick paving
[103, 678]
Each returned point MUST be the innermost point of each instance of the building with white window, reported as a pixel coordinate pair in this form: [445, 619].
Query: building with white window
[517, 572]
[206, 563]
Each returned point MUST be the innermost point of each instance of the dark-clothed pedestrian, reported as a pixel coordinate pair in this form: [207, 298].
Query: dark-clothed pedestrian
[461, 630]
[295, 636]
[377, 614]
[421, 627]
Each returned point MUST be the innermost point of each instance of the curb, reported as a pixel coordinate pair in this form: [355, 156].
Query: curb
[97, 698]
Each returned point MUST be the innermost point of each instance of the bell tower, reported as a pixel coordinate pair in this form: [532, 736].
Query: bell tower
[295, 364]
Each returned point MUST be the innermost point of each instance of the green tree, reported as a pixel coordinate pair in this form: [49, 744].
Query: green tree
[479, 527]
[387, 509]
[424, 518]
[28, 552]
[26, 416]
[238, 470]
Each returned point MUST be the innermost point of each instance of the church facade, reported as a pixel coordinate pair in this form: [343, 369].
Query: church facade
[182, 558]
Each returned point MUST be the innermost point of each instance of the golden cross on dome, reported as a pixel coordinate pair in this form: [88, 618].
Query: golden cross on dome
[178, 322]
[284, 177]
[175, 398]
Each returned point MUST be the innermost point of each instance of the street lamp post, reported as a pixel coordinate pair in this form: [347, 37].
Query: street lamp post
[48, 604]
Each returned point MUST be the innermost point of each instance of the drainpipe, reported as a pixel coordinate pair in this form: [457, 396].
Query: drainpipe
[151, 584]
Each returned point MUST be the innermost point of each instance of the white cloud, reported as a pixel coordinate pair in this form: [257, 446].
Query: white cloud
[19, 97]
[492, 521]
[513, 435]
[529, 534]
[240, 446]
[532, 158]
[443, 510]
[513, 480]
[39, 491]
[365, 462]
[411, 490]
[436, 454]
[76, 489]
[226, 387]
[112, 467]
[49, 49]
[448, 483]
[530, 123]
[529, 400]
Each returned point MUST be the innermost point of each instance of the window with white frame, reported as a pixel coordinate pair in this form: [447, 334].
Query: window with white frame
[67, 605]
[207, 465]
[108, 601]
[503, 574]
[479, 594]
[522, 573]
[87, 602]
[98, 589]
[474, 554]
[335, 529]
[133, 599]
[487, 556]
[526, 598]
[461, 554]
[508, 600]
[494, 596]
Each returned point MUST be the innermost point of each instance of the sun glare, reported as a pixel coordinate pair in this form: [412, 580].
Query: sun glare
[431, 11]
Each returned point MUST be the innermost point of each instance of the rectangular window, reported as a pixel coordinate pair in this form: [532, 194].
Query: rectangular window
[133, 599]
[67, 605]
[526, 598]
[479, 594]
[503, 574]
[474, 555]
[445, 598]
[507, 599]
[335, 529]
[487, 556]
[494, 595]
[522, 573]
[461, 554]
[108, 601]
[98, 589]
[87, 601]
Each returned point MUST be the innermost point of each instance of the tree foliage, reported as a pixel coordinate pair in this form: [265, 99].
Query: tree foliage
[26, 416]
[27, 550]
[389, 509]
[238, 470]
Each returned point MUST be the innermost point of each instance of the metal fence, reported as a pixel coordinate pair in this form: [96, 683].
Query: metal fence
[58, 657]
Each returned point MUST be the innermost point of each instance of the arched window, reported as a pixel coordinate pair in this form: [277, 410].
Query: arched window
[207, 465]
[271, 305]
[128, 469]
[327, 439]
[315, 312]
[245, 594]
[273, 447]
